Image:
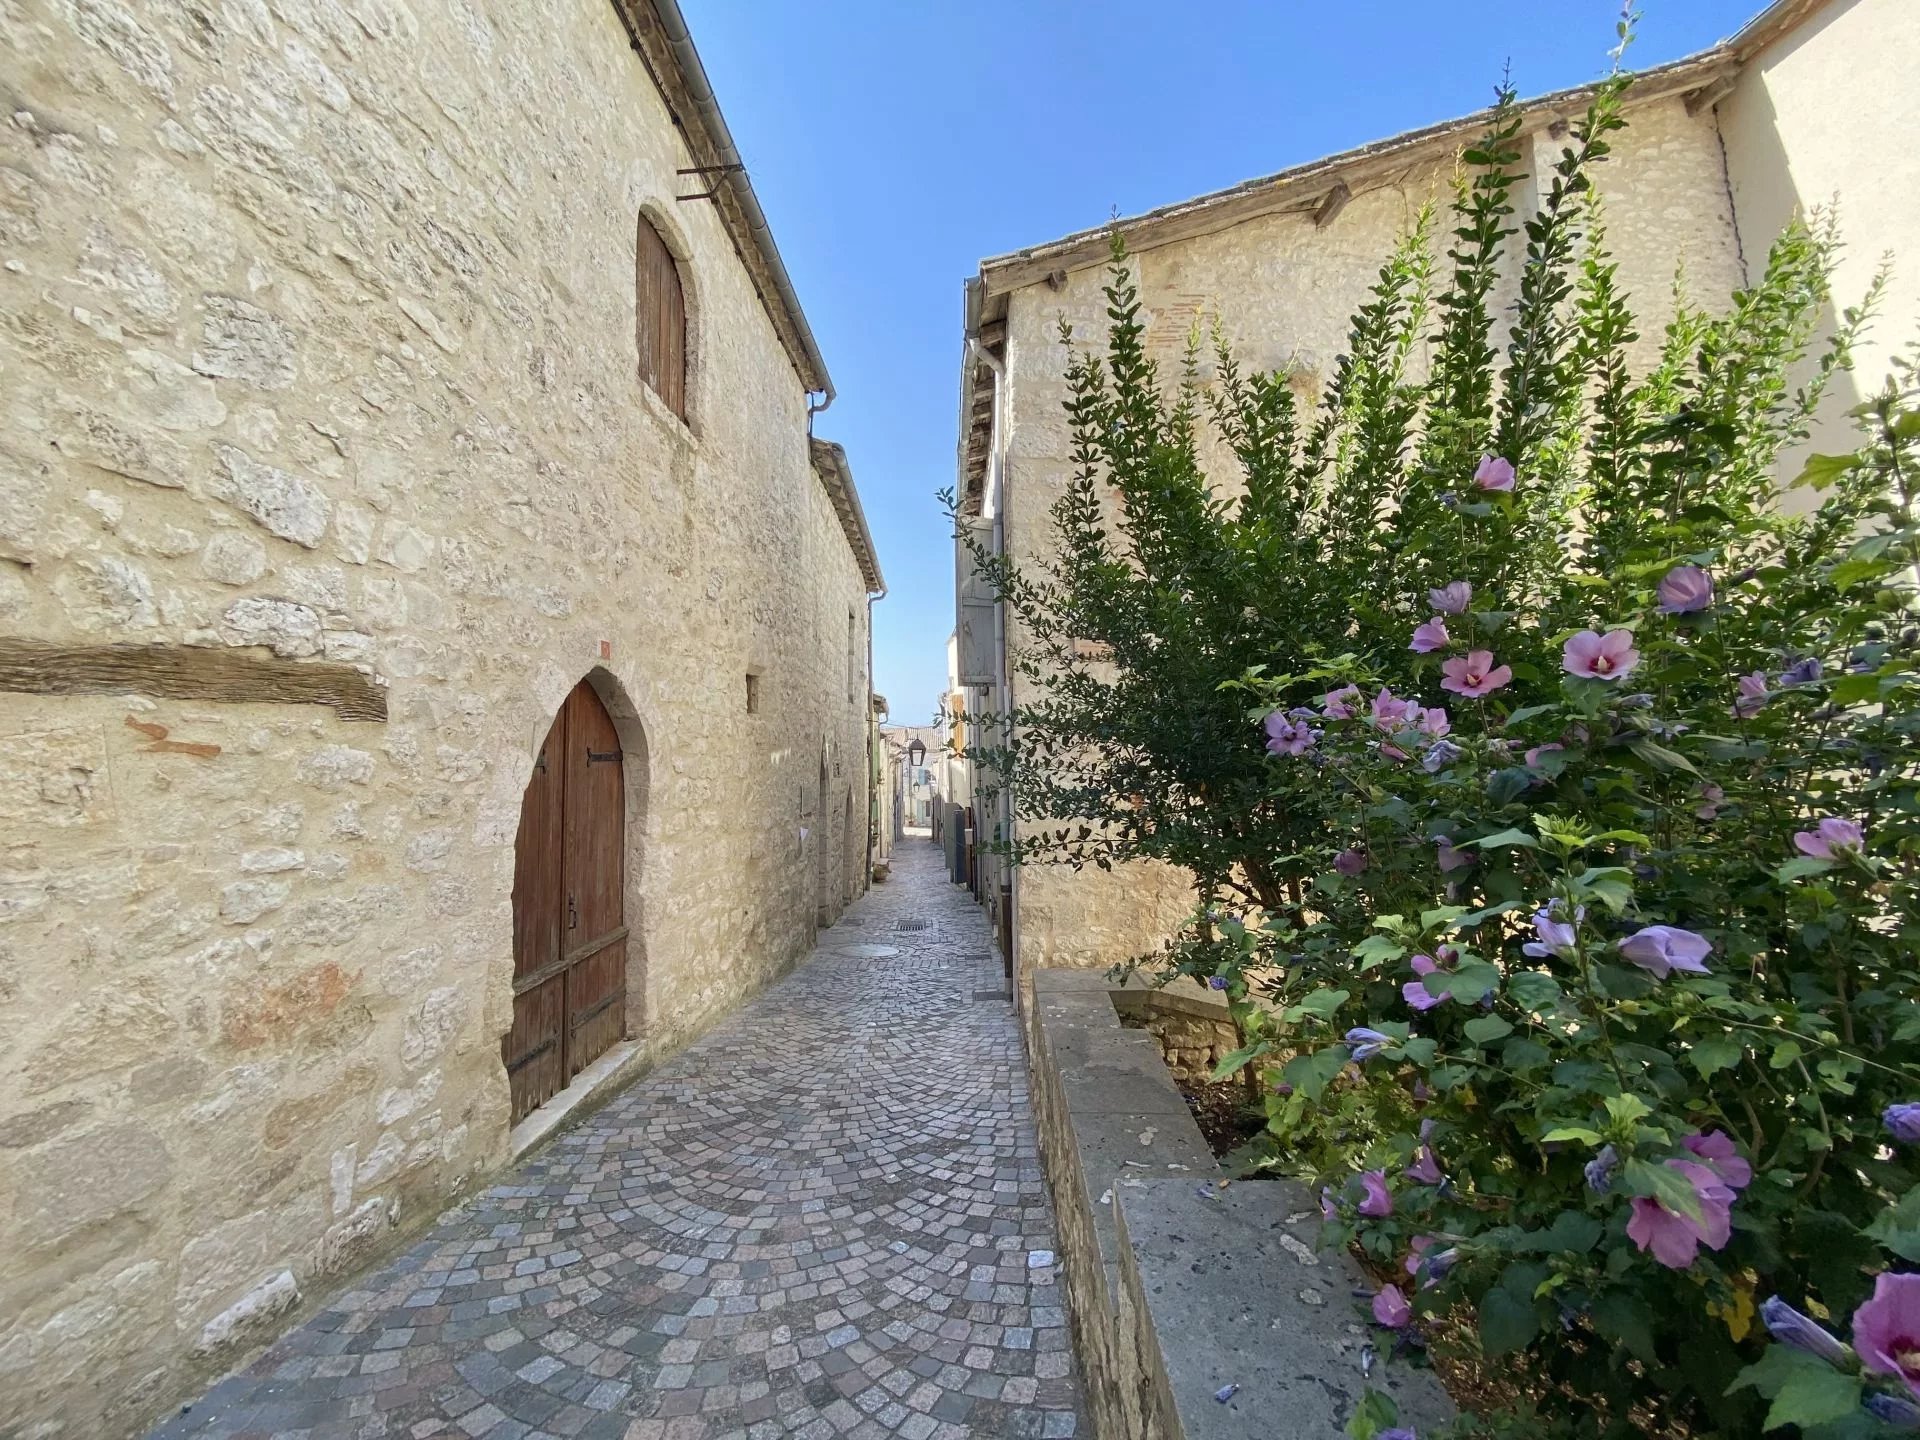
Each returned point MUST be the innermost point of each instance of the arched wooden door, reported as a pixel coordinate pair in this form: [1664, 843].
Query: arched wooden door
[569, 919]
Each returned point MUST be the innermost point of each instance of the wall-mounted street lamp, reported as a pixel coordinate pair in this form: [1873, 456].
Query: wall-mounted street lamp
[916, 752]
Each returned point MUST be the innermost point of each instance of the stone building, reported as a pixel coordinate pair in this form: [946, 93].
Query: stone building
[1721, 150]
[430, 639]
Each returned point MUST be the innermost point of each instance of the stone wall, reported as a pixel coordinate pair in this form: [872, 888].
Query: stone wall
[1179, 1284]
[316, 342]
[1283, 288]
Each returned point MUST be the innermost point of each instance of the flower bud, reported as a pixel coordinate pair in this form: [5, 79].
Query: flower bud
[1790, 1327]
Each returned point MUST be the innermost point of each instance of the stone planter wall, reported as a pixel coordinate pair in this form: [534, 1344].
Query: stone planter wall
[1178, 1288]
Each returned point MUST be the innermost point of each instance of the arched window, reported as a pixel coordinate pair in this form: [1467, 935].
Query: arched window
[660, 319]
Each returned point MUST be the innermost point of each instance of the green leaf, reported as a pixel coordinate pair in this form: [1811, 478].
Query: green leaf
[1527, 712]
[1310, 1074]
[1711, 1054]
[1813, 1395]
[1800, 867]
[1507, 837]
[1466, 984]
[1508, 1322]
[1571, 1230]
[1822, 470]
[1785, 1053]
[1849, 573]
[1239, 1060]
[1611, 885]
[1626, 1109]
[1657, 1182]
[1375, 1412]
[1321, 1004]
[1626, 1320]
[1480, 917]
[1534, 990]
[1578, 1134]
[1506, 786]
[1487, 1029]
[1898, 1226]
[1377, 950]
[1660, 757]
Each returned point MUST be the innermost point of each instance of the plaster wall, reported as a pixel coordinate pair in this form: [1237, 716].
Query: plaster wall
[1283, 289]
[316, 339]
[1795, 128]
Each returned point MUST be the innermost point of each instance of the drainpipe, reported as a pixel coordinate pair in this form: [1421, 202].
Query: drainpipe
[734, 179]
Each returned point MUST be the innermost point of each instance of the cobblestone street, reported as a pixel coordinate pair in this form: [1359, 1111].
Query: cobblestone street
[826, 1218]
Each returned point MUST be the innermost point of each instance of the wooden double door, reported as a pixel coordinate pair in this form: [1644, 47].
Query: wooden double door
[569, 918]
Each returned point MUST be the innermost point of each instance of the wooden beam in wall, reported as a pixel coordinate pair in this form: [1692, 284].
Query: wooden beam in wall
[186, 672]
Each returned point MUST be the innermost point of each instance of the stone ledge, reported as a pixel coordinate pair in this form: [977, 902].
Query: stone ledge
[1177, 1288]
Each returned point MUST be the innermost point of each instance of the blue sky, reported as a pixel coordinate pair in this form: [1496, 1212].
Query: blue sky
[894, 143]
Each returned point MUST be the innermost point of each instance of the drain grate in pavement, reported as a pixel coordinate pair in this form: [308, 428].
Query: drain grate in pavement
[911, 924]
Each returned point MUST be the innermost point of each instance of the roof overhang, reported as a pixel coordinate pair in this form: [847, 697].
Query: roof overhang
[659, 36]
[830, 464]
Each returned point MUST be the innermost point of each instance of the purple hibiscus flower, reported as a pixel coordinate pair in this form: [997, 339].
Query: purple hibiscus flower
[1377, 1201]
[1685, 589]
[1663, 949]
[1802, 1332]
[1749, 695]
[1554, 936]
[1367, 1042]
[1289, 736]
[1350, 862]
[1833, 839]
[1450, 857]
[1431, 636]
[1451, 598]
[1903, 1122]
[1338, 704]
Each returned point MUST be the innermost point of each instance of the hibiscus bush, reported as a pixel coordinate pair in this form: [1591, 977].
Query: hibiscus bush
[1570, 914]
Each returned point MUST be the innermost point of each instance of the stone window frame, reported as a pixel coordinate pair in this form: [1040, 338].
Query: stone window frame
[666, 226]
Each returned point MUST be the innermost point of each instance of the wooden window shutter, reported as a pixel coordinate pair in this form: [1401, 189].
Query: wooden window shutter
[660, 319]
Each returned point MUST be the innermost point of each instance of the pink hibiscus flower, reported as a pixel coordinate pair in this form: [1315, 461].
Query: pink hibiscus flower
[1494, 473]
[1886, 1329]
[1474, 674]
[1451, 598]
[1391, 1309]
[1600, 657]
[1673, 1239]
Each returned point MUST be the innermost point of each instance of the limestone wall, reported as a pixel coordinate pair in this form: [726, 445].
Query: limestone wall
[1283, 289]
[316, 339]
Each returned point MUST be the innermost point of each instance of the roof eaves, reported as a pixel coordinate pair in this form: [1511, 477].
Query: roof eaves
[830, 464]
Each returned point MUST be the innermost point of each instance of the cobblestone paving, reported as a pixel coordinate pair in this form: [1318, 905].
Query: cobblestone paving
[824, 1219]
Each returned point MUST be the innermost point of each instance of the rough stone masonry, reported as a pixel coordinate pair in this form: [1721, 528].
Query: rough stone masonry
[317, 346]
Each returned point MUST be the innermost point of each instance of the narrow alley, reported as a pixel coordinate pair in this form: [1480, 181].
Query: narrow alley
[824, 1218]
